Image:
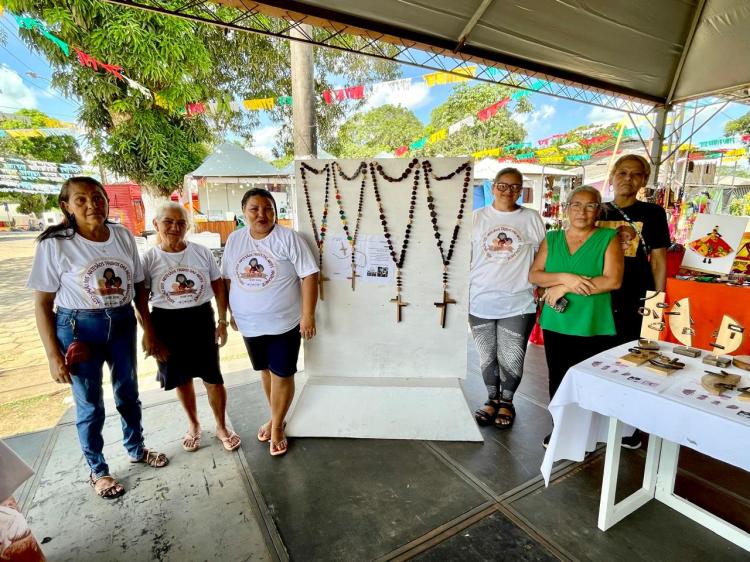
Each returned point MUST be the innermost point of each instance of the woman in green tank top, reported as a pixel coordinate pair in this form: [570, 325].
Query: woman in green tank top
[583, 264]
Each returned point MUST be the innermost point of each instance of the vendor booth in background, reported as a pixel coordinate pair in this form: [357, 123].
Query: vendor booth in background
[542, 185]
[126, 206]
[217, 186]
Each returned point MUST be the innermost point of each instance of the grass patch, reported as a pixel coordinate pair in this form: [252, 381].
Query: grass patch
[32, 414]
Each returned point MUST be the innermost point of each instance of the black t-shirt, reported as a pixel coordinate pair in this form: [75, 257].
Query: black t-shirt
[649, 221]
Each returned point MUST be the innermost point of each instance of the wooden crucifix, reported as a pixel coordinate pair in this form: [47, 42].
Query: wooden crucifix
[399, 305]
[321, 279]
[443, 306]
[354, 276]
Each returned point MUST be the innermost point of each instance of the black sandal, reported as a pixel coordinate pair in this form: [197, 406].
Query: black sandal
[483, 417]
[507, 418]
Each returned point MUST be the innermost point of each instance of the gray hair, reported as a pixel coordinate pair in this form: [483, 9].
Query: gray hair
[585, 189]
[170, 206]
[638, 158]
[509, 170]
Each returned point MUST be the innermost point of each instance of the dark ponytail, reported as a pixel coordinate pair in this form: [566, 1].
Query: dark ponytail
[68, 227]
[260, 192]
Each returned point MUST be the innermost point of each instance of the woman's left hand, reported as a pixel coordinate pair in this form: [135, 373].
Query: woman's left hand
[554, 294]
[153, 348]
[307, 327]
[221, 335]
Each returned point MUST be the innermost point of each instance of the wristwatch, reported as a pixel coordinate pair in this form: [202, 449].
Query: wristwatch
[223, 323]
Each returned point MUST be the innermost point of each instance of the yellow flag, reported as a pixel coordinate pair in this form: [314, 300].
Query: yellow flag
[437, 135]
[438, 78]
[257, 104]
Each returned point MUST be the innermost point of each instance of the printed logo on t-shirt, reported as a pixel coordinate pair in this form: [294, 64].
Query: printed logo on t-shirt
[108, 282]
[255, 270]
[182, 286]
[627, 236]
[502, 243]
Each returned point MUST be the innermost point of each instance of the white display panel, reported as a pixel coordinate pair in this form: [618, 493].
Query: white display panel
[377, 360]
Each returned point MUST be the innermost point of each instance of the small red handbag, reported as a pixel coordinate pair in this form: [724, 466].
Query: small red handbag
[78, 352]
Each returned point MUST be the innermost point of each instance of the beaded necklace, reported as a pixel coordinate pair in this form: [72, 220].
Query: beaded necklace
[320, 235]
[398, 261]
[352, 239]
[446, 256]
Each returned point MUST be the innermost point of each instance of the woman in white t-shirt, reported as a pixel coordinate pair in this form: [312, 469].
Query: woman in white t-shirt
[272, 279]
[89, 269]
[502, 311]
[183, 278]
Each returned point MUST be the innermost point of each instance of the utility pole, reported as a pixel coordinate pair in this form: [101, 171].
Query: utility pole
[303, 95]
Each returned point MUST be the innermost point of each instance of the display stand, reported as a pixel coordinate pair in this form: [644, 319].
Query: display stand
[369, 375]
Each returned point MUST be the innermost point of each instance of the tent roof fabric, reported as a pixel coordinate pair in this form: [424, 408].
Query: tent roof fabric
[665, 51]
[231, 160]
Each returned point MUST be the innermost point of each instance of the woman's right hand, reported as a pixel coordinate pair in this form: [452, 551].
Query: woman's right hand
[58, 369]
[579, 284]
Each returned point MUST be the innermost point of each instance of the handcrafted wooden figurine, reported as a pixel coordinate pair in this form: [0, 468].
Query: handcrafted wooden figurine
[653, 315]
[716, 383]
[742, 362]
[681, 326]
[728, 339]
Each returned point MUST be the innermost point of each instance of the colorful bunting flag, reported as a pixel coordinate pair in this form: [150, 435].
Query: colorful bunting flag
[458, 75]
[258, 104]
[490, 111]
[401, 150]
[437, 136]
[418, 143]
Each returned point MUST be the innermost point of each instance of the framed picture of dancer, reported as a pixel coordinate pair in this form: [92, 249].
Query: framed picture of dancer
[713, 243]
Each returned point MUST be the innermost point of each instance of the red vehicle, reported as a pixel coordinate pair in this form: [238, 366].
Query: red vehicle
[126, 206]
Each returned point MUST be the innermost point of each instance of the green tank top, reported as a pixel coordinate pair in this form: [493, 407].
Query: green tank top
[585, 315]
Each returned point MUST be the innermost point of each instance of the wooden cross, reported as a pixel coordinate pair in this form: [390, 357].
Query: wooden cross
[354, 276]
[399, 305]
[321, 279]
[444, 306]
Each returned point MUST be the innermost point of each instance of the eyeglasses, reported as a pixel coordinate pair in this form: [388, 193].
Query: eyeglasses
[588, 207]
[502, 187]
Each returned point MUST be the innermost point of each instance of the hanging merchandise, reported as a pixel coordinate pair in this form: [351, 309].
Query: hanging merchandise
[320, 235]
[446, 256]
[400, 257]
[351, 238]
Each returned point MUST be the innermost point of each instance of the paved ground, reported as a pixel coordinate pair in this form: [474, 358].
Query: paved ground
[29, 399]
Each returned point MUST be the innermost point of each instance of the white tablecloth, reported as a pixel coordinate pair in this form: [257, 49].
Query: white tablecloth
[676, 408]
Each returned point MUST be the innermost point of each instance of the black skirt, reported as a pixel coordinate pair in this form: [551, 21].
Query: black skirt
[189, 336]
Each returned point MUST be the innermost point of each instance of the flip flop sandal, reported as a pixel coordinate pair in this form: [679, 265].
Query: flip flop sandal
[264, 435]
[152, 458]
[191, 442]
[483, 417]
[278, 448]
[231, 442]
[507, 418]
[106, 487]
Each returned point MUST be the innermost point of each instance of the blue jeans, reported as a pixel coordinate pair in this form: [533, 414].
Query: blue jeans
[111, 336]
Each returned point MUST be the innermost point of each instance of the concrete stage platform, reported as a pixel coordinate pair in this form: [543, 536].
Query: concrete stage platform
[346, 499]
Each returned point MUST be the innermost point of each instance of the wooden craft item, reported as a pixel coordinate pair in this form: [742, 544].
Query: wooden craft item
[636, 359]
[653, 323]
[681, 326]
[664, 365]
[742, 362]
[744, 395]
[648, 345]
[729, 336]
[717, 361]
[709, 382]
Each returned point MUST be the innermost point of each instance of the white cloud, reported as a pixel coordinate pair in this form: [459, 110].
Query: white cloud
[416, 95]
[13, 92]
[603, 115]
[264, 140]
[536, 123]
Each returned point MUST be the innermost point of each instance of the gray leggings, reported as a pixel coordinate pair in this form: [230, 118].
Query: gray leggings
[502, 348]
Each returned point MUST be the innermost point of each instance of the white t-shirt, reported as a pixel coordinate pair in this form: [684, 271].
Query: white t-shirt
[180, 279]
[265, 275]
[87, 274]
[503, 247]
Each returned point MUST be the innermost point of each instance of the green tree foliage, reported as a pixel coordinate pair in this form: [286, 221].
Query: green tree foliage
[467, 100]
[740, 125]
[379, 130]
[740, 206]
[34, 203]
[60, 149]
[146, 138]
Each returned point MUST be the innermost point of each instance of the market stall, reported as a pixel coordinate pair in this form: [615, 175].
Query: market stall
[221, 181]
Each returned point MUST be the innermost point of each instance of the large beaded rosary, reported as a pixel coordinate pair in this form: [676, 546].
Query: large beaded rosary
[397, 257]
[351, 238]
[446, 256]
[320, 235]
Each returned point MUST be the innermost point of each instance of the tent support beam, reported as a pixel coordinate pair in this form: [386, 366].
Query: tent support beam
[471, 24]
[685, 49]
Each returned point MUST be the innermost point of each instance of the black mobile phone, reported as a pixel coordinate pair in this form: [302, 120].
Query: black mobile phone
[560, 305]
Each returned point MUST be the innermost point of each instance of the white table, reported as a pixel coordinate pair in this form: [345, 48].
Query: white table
[599, 396]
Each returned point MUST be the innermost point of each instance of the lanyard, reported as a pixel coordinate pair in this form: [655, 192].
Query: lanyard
[641, 239]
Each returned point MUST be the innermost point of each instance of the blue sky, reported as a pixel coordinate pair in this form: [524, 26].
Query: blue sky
[24, 83]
